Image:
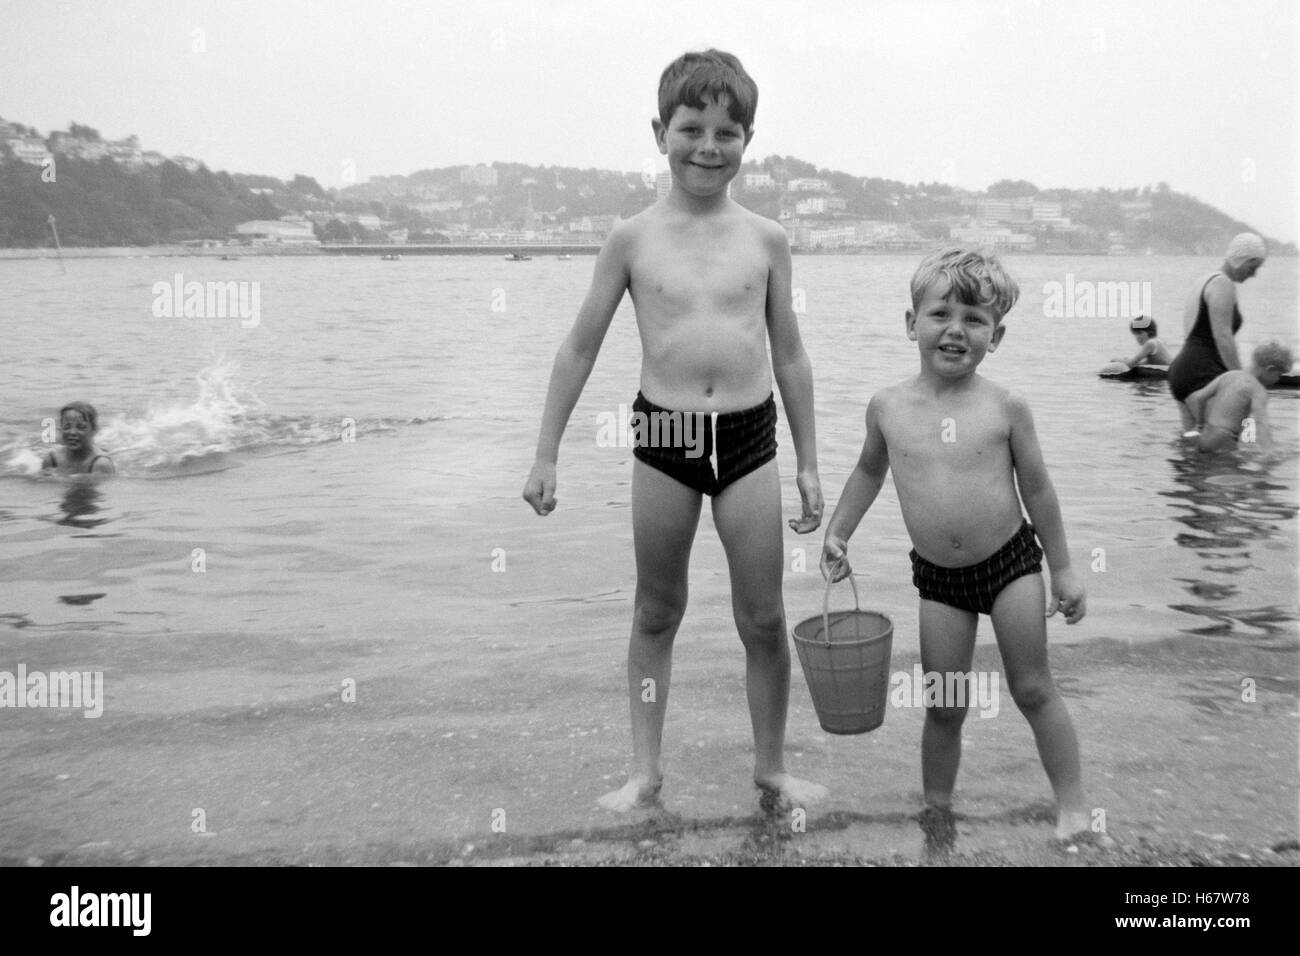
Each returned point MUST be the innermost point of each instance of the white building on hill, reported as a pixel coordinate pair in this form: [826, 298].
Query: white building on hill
[261, 232]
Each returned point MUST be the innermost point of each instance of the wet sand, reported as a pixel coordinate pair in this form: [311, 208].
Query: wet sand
[494, 754]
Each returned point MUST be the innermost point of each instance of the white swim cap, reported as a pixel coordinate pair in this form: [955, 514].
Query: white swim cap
[1244, 247]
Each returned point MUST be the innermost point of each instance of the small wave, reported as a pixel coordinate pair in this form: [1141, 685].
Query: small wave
[226, 418]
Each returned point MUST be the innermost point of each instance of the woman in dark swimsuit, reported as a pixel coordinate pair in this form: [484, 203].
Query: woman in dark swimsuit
[1211, 319]
[78, 423]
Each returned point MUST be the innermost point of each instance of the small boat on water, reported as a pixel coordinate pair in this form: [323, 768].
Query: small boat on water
[229, 258]
[518, 257]
[390, 257]
[564, 258]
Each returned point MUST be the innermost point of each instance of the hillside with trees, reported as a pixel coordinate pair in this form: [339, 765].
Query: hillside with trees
[103, 202]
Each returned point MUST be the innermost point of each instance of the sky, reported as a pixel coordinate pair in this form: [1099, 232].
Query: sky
[1201, 94]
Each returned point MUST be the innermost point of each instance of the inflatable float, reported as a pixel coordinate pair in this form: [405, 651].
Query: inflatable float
[1119, 372]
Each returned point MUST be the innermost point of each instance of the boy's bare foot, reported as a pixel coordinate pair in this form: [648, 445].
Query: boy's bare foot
[782, 791]
[639, 791]
[1080, 839]
[1070, 822]
[939, 827]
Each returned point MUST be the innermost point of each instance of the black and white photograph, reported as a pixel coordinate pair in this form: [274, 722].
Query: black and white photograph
[600, 434]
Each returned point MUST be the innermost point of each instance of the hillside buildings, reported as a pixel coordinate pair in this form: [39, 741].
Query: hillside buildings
[288, 232]
[29, 148]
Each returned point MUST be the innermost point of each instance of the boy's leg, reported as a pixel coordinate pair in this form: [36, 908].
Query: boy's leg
[947, 644]
[1022, 638]
[665, 514]
[748, 518]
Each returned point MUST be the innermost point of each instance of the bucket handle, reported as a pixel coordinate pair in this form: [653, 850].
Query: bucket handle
[826, 603]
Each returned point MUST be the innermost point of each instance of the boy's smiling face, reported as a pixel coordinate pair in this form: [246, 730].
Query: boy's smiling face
[953, 337]
[704, 146]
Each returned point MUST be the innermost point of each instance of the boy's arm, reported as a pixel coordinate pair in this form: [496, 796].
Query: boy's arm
[573, 363]
[1199, 399]
[1039, 496]
[793, 374]
[859, 493]
[1142, 353]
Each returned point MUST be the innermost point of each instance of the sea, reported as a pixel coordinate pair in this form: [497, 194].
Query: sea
[346, 463]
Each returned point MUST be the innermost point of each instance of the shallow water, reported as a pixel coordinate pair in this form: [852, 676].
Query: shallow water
[242, 509]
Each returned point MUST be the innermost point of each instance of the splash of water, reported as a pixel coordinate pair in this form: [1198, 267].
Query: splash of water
[225, 417]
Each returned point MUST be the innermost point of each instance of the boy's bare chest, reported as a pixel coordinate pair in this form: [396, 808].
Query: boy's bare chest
[926, 438]
[699, 275]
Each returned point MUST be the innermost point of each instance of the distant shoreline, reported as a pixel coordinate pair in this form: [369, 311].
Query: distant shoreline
[443, 249]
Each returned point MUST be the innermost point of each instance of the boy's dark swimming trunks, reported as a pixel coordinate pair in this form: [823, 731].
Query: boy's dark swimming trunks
[975, 587]
[705, 451]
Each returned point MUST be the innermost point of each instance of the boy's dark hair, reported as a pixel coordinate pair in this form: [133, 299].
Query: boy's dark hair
[975, 277]
[694, 78]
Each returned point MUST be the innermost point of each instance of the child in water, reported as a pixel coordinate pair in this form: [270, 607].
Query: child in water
[1232, 407]
[1151, 350]
[78, 423]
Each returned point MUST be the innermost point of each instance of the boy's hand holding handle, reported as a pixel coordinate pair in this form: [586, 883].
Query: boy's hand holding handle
[539, 489]
[810, 491]
[835, 559]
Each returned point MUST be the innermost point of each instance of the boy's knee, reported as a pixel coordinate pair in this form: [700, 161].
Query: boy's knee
[763, 626]
[1031, 693]
[946, 716]
[658, 616]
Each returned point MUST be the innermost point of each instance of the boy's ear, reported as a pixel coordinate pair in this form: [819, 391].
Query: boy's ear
[1000, 331]
[661, 132]
[749, 134]
[909, 319]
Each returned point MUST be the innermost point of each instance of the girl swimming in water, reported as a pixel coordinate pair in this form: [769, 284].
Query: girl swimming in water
[78, 423]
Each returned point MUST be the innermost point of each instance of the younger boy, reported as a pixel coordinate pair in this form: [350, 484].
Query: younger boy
[711, 285]
[1151, 350]
[1237, 400]
[959, 446]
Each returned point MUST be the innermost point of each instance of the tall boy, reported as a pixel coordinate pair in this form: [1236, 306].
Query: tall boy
[711, 285]
[959, 446]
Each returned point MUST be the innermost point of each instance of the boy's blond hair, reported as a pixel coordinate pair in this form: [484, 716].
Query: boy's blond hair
[1273, 355]
[975, 277]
